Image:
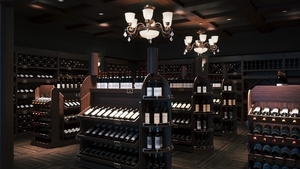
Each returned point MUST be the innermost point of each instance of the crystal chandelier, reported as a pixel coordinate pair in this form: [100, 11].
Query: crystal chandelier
[200, 46]
[150, 29]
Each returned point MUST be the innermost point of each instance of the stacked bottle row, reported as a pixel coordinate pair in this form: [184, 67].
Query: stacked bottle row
[117, 133]
[112, 67]
[74, 103]
[277, 151]
[260, 165]
[263, 64]
[183, 106]
[69, 82]
[275, 111]
[25, 106]
[204, 141]
[107, 112]
[276, 130]
[116, 154]
[72, 63]
[25, 122]
[292, 63]
[37, 61]
[177, 81]
[32, 75]
[115, 80]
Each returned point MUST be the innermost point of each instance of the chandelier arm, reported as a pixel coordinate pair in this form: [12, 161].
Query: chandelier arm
[189, 47]
[133, 32]
[166, 31]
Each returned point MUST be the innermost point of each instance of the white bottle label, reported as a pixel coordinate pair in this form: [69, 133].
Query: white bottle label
[225, 88]
[149, 142]
[157, 142]
[204, 124]
[204, 89]
[199, 89]
[229, 88]
[233, 102]
[224, 101]
[198, 125]
[157, 91]
[149, 91]
[67, 85]
[164, 117]
[63, 85]
[204, 108]
[147, 118]
[208, 107]
[58, 85]
[156, 118]
[196, 107]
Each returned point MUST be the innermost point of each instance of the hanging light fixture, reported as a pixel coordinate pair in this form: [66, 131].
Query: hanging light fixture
[150, 29]
[200, 46]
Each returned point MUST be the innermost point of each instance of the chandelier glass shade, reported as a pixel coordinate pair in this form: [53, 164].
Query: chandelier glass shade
[201, 46]
[150, 29]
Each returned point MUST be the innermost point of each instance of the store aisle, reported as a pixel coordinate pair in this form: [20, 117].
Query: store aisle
[230, 152]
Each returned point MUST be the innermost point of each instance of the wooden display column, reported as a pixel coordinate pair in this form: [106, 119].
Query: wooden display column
[6, 89]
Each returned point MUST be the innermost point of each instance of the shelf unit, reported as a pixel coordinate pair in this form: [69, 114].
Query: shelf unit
[182, 133]
[273, 96]
[70, 124]
[35, 67]
[155, 150]
[46, 118]
[91, 97]
[229, 107]
[203, 130]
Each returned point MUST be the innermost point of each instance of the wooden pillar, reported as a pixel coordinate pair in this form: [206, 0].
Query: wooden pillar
[152, 60]
[7, 86]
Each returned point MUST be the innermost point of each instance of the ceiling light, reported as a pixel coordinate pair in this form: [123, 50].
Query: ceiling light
[101, 13]
[284, 11]
[60, 0]
[229, 19]
[150, 29]
[200, 46]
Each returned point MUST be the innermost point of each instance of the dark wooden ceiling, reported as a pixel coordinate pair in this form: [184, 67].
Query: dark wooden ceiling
[221, 17]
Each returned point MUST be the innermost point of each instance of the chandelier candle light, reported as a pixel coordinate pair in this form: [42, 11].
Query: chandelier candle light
[200, 46]
[150, 29]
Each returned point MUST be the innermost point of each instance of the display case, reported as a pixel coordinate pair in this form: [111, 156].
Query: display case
[46, 117]
[109, 127]
[155, 123]
[202, 108]
[273, 121]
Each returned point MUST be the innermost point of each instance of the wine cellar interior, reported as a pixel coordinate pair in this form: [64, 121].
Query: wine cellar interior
[70, 100]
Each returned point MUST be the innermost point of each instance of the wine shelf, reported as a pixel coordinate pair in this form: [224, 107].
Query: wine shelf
[273, 96]
[91, 97]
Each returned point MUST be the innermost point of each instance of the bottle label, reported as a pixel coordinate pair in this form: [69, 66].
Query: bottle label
[157, 142]
[149, 142]
[204, 107]
[229, 88]
[225, 88]
[204, 89]
[63, 85]
[224, 101]
[198, 125]
[199, 89]
[147, 118]
[67, 85]
[208, 107]
[58, 85]
[156, 118]
[149, 91]
[164, 117]
[229, 102]
[233, 102]
[157, 91]
[196, 107]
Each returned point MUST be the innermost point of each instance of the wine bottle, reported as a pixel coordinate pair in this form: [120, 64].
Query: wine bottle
[295, 153]
[257, 165]
[90, 130]
[149, 87]
[295, 112]
[266, 166]
[230, 113]
[257, 129]
[266, 111]
[149, 162]
[284, 112]
[275, 131]
[158, 139]
[275, 166]
[134, 137]
[266, 149]
[285, 152]
[204, 123]
[147, 115]
[275, 151]
[149, 139]
[165, 113]
[275, 111]
[156, 116]
[199, 123]
[267, 130]
[203, 105]
[157, 87]
[197, 106]
[285, 132]
[257, 110]
[225, 114]
[295, 132]
[257, 148]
